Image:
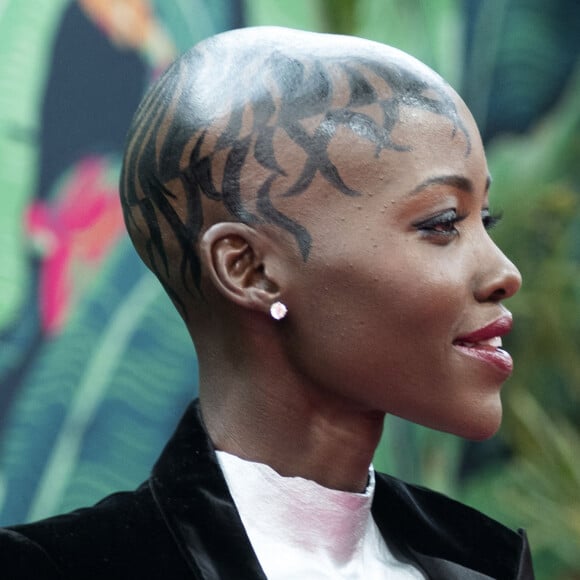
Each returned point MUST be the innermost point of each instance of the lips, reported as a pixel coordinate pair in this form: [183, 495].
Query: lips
[484, 344]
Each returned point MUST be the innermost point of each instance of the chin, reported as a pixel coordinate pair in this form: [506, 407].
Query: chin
[474, 422]
[484, 425]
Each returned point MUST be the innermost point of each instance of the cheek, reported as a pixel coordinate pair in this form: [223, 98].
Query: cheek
[419, 294]
[377, 319]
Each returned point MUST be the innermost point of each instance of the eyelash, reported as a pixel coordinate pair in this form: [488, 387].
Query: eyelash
[443, 224]
[490, 220]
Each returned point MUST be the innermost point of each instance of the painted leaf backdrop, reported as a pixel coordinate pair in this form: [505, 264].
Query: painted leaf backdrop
[106, 392]
[26, 34]
[513, 61]
[95, 365]
[519, 58]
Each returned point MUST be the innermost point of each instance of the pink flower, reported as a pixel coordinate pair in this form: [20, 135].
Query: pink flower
[74, 231]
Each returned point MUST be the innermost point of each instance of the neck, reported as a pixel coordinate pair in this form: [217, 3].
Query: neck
[295, 432]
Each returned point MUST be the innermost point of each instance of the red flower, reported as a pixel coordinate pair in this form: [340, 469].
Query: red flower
[74, 232]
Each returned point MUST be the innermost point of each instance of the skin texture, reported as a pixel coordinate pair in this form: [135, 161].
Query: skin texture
[347, 180]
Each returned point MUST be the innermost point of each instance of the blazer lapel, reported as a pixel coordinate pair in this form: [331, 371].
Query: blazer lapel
[446, 539]
[440, 569]
[526, 570]
[191, 492]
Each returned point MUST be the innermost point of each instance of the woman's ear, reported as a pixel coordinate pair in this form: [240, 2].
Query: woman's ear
[236, 257]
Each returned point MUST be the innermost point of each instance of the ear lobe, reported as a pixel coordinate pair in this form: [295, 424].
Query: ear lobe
[234, 255]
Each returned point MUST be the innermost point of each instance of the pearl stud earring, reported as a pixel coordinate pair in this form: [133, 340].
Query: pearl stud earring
[278, 310]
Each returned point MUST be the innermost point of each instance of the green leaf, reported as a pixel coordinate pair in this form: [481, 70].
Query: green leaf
[27, 29]
[303, 14]
[101, 398]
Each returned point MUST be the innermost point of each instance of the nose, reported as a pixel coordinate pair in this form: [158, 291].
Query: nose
[499, 278]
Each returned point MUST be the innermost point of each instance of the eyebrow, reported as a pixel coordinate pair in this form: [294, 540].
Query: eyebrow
[456, 181]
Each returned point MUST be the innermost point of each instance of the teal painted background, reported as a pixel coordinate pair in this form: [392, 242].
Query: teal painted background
[96, 367]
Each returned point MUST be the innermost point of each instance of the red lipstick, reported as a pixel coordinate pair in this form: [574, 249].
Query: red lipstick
[485, 344]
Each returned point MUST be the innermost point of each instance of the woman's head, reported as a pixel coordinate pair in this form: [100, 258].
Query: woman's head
[345, 179]
[248, 118]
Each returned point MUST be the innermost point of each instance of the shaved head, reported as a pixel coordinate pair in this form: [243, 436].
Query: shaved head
[243, 122]
[347, 181]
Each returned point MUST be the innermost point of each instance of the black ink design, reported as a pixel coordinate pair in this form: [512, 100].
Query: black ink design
[283, 95]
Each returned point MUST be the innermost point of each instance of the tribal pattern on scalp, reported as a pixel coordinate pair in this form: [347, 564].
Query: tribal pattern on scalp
[285, 92]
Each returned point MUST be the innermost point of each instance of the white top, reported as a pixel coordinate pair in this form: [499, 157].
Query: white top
[302, 530]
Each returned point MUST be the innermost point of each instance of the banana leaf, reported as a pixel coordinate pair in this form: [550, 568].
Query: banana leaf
[101, 397]
[27, 30]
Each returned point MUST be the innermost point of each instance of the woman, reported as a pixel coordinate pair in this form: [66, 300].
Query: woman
[317, 209]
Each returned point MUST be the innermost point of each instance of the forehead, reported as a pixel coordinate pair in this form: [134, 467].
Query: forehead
[300, 126]
[429, 146]
[297, 106]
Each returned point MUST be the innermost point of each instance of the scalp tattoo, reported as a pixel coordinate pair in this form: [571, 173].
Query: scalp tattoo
[178, 132]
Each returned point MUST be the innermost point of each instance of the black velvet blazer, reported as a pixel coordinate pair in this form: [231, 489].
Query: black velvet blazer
[182, 524]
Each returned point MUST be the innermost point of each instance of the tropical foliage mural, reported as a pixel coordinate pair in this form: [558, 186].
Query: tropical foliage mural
[95, 365]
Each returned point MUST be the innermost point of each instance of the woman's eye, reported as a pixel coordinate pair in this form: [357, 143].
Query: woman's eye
[490, 220]
[441, 225]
